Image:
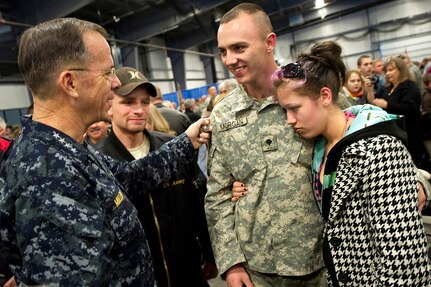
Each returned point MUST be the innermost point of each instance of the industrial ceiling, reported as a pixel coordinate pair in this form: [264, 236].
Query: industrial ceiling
[182, 24]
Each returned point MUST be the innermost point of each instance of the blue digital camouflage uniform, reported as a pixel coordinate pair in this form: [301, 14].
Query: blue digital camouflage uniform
[276, 228]
[66, 217]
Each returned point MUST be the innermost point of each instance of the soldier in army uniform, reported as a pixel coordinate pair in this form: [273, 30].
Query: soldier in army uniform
[273, 236]
[65, 214]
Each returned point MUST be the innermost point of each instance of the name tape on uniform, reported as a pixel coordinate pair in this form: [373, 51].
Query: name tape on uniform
[233, 124]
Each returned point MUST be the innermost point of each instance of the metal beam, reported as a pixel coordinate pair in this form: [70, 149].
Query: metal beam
[33, 12]
[178, 68]
[159, 21]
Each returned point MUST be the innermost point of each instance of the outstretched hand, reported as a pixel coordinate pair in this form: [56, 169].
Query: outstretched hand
[199, 132]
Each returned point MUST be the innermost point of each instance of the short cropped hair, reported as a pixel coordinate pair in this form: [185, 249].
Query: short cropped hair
[250, 9]
[49, 46]
[359, 62]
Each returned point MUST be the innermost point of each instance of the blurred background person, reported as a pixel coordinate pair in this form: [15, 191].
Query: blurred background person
[378, 71]
[415, 71]
[365, 68]
[225, 87]
[190, 106]
[353, 88]
[402, 97]
[12, 131]
[168, 104]
[156, 122]
[2, 127]
[97, 132]
[426, 96]
[211, 95]
[177, 121]
[426, 112]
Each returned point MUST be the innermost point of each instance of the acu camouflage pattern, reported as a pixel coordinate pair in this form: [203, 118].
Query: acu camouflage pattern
[65, 214]
[276, 227]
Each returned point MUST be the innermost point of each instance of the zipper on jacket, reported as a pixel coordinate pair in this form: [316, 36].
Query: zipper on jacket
[156, 221]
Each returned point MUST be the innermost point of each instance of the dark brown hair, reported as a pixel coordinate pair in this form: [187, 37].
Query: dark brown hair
[322, 67]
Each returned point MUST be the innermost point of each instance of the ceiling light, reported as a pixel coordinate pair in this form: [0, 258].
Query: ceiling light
[319, 4]
[323, 13]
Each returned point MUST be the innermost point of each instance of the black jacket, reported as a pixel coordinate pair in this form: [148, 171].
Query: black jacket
[177, 121]
[192, 115]
[173, 219]
[406, 100]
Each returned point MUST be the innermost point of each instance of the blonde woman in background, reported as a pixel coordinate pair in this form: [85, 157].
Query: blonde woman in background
[157, 122]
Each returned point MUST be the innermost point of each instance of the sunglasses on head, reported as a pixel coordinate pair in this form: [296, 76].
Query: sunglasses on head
[292, 71]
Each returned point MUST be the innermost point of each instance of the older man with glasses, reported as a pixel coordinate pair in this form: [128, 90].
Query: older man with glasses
[65, 214]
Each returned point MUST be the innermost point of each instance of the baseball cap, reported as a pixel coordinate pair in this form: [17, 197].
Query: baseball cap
[131, 78]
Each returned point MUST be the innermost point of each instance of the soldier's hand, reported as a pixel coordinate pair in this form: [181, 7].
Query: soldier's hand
[238, 190]
[199, 132]
[236, 276]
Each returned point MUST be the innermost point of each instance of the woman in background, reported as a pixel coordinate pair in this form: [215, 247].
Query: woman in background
[402, 97]
[353, 88]
[157, 122]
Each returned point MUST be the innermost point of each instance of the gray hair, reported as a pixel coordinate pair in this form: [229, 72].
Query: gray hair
[49, 46]
[189, 103]
[228, 85]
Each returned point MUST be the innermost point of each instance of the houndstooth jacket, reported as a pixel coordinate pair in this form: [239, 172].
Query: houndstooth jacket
[374, 235]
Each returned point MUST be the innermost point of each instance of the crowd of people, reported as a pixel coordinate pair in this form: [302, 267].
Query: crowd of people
[301, 175]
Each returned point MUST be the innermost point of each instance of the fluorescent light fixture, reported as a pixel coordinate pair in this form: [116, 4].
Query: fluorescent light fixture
[319, 4]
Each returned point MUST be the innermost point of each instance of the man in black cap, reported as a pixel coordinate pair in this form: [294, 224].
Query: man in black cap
[172, 215]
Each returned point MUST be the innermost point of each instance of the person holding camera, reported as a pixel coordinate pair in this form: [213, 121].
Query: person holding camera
[365, 68]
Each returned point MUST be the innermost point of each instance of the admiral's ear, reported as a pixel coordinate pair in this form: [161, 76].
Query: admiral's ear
[67, 82]
[326, 96]
[271, 41]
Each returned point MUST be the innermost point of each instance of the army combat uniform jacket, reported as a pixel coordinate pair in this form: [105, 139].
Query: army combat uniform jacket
[277, 227]
[65, 214]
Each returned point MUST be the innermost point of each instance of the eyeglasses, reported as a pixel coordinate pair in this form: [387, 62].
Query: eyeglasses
[110, 74]
[292, 71]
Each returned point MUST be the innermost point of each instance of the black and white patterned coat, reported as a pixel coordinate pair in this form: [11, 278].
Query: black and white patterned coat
[374, 235]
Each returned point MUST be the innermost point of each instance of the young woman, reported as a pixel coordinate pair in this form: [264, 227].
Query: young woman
[353, 88]
[363, 177]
